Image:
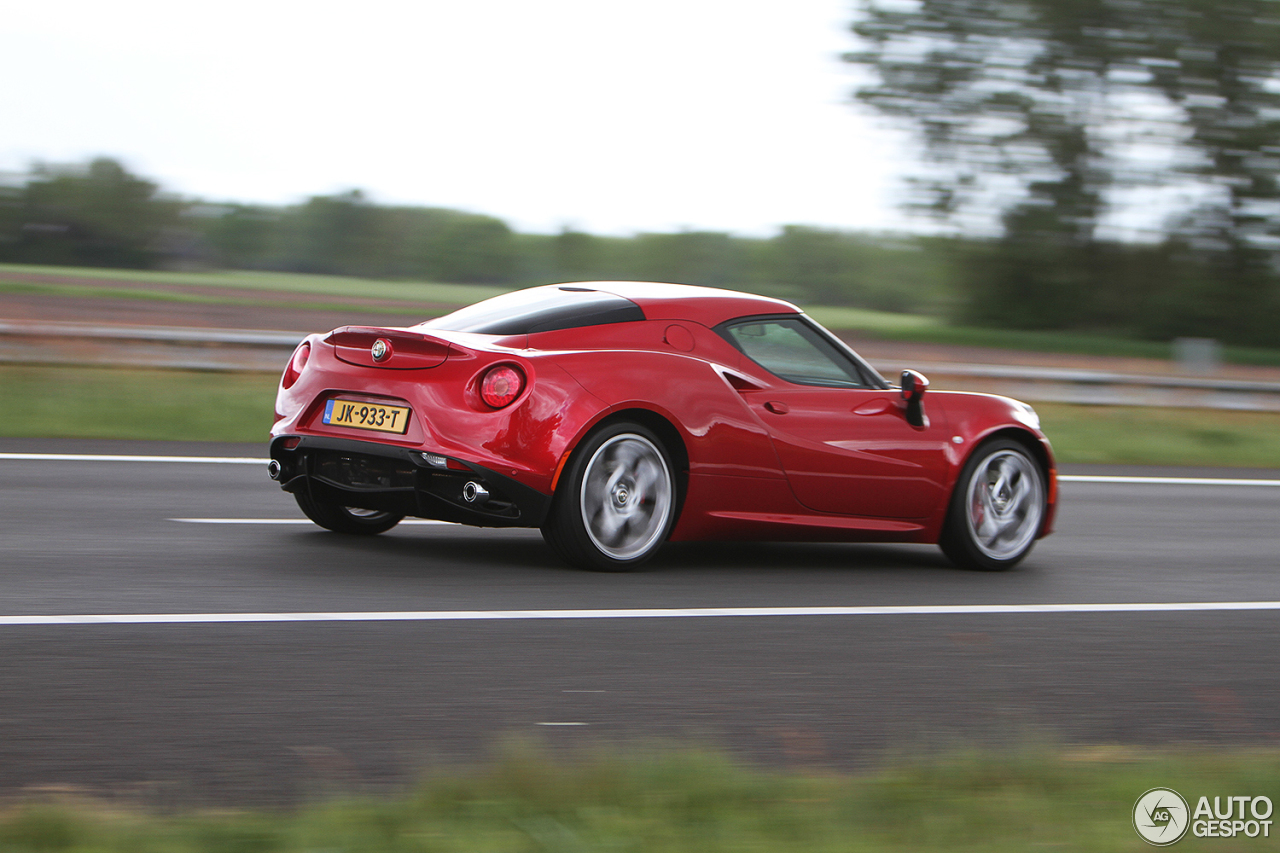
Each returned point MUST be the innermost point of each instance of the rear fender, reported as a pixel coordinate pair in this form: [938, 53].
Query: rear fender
[721, 435]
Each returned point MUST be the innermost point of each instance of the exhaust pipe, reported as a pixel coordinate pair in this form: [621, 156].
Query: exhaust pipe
[273, 469]
[474, 493]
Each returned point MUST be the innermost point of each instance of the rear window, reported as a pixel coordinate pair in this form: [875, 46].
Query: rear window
[539, 309]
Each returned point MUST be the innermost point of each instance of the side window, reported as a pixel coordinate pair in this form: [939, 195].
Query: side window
[791, 350]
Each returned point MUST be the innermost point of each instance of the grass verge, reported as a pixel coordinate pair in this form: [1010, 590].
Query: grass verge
[1119, 435]
[702, 803]
[90, 402]
[80, 402]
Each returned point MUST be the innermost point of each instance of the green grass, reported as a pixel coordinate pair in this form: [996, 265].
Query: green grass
[83, 402]
[86, 402]
[886, 324]
[697, 802]
[1155, 436]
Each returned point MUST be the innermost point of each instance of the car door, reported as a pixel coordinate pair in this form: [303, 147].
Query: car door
[842, 438]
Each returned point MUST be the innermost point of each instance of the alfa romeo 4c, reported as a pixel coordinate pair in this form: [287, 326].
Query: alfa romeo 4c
[614, 416]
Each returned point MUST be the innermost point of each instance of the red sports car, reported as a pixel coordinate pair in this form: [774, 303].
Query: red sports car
[614, 416]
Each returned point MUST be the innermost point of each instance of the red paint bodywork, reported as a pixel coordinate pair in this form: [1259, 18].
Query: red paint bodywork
[761, 458]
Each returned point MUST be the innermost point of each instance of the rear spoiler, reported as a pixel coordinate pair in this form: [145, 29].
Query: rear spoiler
[397, 349]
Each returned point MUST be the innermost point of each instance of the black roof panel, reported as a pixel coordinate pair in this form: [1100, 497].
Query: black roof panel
[539, 309]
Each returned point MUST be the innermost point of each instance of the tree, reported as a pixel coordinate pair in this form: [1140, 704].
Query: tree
[449, 245]
[100, 215]
[240, 236]
[577, 255]
[334, 235]
[1037, 115]
[707, 258]
[1002, 93]
[1222, 69]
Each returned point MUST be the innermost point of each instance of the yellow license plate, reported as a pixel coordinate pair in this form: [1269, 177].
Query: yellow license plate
[374, 416]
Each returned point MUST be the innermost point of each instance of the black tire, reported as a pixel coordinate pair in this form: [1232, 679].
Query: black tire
[616, 501]
[345, 519]
[997, 508]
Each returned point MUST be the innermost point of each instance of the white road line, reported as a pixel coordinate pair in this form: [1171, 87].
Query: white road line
[101, 457]
[652, 613]
[1165, 481]
[288, 521]
[245, 460]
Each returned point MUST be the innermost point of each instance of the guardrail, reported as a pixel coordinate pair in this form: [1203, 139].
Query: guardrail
[145, 346]
[1102, 387]
[252, 350]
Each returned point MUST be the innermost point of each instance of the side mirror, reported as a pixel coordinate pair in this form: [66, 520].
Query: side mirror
[913, 387]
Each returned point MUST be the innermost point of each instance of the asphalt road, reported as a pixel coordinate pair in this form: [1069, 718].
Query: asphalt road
[268, 711]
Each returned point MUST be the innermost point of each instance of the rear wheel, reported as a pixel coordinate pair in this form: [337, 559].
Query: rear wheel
[617, 502]
[997, 508]
[332, 515]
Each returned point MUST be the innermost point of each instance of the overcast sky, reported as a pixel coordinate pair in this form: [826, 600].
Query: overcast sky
[605, 116]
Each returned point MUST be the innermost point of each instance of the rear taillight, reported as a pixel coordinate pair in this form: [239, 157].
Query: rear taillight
[501, 385]
[296, 364]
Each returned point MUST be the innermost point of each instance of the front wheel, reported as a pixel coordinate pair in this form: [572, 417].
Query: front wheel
[997, 508]
[331, 515]
[617, 502]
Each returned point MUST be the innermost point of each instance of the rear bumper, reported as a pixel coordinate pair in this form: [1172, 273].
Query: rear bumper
[399, 480]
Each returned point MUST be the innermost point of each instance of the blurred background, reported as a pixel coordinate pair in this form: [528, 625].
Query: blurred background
[1093, 178]
[1087, 165]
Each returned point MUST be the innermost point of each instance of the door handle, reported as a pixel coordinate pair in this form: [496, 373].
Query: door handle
[877, 406]
[777, 408]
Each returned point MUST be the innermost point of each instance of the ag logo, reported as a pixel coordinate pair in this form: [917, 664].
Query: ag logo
[1161, 816]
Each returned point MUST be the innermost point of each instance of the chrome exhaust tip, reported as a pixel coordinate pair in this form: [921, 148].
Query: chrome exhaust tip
[273, 469]
[474, 493]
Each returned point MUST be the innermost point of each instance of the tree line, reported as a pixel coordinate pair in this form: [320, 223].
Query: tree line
[100, 214]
